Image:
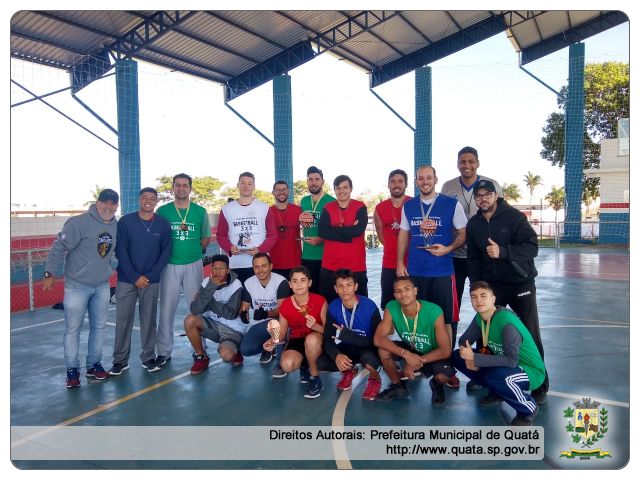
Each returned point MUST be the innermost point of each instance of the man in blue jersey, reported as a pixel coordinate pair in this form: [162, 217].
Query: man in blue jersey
[348, 335]
[431, 229]
[143, 250]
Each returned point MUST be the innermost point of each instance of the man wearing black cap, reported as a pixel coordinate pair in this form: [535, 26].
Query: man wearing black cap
[312, 206]
[501, 246]
[85, 247]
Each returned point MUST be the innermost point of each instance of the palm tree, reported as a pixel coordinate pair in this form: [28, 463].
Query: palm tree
[589, 194]
[532, 182]
[511, 192]
[556, 199]
[95, 193]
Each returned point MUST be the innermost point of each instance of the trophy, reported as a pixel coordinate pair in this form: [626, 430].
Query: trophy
[428, 228]
[307, 221]
[273, 327]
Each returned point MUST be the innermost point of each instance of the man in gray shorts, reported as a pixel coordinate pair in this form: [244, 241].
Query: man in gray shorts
[215, 314]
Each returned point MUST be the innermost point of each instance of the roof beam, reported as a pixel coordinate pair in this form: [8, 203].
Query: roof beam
[279, 64]
[573, 35]
[318, 34]
[148, 31]
[369, 28]
[454, 43]
[415, 29]
[175, 68]
[51, 43]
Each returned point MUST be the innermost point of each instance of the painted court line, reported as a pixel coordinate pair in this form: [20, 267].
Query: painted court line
[106, 406]
[50, 322]
[583, 326]
[337, 422]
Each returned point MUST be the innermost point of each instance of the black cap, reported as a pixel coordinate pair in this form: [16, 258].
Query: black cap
[484, 184]
[108, 195]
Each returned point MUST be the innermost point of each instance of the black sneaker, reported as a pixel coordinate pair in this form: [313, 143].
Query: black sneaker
[523, 420]
[540, 396]
[161, 360]
[266, 357]
[118, 368]
[473, 386]
[393, 391]
[437, 393]
[490, 399]
[315, 387]
[305, 375]
[151, 365]
[278, 372]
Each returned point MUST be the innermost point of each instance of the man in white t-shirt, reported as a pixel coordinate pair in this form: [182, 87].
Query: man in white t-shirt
[246, 227]
[263, 293]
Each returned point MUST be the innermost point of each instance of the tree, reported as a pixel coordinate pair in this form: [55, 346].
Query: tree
[532, 182]
[205, 191]
[300, 190]
[95, 193]
[556, 199]
[589, 194]
[232, 192]
[371, 199]
[606, 101]
[511, 192]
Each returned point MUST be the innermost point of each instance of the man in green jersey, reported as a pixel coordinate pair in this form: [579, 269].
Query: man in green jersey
[190, 235]
[507, 362]
[424, 345]
[312, 206]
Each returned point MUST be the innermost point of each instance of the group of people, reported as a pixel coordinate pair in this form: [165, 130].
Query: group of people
[292, 285]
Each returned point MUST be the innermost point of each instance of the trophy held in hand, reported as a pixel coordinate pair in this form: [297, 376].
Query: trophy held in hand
[428, 228]
[307, 221]
[273, 327]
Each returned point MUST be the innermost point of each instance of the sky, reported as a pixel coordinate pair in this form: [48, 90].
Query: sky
[480, 98]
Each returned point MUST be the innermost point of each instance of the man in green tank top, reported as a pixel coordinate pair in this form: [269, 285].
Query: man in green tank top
[424, 345]
[507, 361]
[312, 205]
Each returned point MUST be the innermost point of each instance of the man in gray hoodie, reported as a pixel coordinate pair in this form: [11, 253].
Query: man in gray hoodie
[85, 247]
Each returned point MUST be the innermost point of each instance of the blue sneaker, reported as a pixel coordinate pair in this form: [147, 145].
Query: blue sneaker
[73, 378]
[315, 387]
[304, 374]
[97, 372]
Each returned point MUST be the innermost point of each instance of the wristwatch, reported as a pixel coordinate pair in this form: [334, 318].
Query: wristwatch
[47, 274]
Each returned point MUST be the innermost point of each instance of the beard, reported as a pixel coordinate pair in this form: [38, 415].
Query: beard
[315, 190]
[398, 195]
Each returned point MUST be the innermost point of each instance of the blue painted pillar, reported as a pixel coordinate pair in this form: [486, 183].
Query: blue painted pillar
[282, 131]
[128, 134]
[422, 137]
[574, 143]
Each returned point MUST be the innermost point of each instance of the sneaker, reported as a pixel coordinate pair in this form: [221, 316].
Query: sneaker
[118, 368]
[454, 382]
[266, 357]
[161, 360]
[304, 374]
[437, 393]
[151, 365]
[372, 390]
[540, 396]
[403, 377]
[315, 387]
[73, 378]
[490, 399]
[278, 372]
[200, 365]
[473, 386]
[237, 360]
[97, 372]
[347, 379]
[523, 420]
[392, 392]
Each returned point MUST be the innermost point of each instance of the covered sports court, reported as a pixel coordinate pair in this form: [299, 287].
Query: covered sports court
[583, 293]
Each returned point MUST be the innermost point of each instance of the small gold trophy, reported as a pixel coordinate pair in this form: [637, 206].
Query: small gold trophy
[273, 327]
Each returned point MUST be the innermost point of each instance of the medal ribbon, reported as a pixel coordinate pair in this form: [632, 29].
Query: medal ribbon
[415, 324]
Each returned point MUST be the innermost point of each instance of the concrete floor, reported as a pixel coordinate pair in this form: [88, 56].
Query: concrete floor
[583, 301]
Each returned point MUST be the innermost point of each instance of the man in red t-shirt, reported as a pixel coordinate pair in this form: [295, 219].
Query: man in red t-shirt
[386, 219]
[287, 251]
[303, 316]
[342, 225]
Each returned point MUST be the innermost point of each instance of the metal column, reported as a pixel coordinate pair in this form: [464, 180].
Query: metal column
[574, 143]
[422, 138]
[282, 131]
[128, 134]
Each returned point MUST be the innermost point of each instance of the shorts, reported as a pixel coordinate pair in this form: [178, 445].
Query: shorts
[296, 344]
[221, 334]
[363, 356]
[439, 367]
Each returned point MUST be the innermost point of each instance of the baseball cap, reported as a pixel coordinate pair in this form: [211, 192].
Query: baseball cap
[484, 184]
[108, 195]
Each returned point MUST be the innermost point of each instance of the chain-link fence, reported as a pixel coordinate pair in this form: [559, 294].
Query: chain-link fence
[27, 270]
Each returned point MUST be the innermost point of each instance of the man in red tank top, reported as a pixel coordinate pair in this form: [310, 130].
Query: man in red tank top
[386, 219]
[342, 225]
[286, 252]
